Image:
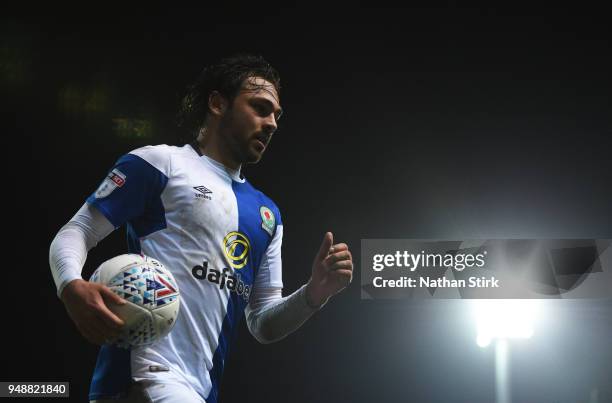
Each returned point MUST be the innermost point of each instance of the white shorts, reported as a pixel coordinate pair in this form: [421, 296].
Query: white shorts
[153, 391]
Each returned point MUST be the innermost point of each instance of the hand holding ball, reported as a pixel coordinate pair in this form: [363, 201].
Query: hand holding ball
[151, 293]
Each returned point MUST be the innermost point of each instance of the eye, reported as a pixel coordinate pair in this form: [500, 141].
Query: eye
[261, 110]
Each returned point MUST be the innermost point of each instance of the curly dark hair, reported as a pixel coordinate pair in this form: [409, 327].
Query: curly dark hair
[226, 77]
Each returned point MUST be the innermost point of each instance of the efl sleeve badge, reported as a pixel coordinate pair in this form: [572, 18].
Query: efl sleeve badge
[114, 180]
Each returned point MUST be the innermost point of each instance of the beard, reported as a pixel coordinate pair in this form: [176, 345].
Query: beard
[237, 139]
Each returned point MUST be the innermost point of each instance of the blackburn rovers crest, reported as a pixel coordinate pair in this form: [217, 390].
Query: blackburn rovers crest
[268, 222]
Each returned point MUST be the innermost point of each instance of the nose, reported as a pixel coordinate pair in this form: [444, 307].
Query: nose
[270, 125]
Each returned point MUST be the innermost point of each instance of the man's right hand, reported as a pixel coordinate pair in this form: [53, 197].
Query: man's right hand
[87, 304]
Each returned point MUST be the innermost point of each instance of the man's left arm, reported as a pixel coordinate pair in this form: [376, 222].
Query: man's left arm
[271, 317]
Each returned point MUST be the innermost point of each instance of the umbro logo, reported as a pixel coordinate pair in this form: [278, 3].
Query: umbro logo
[204, 192]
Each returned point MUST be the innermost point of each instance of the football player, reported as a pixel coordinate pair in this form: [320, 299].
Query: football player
[191, 208]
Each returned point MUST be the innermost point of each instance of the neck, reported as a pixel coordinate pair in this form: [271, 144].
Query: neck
[210, 146]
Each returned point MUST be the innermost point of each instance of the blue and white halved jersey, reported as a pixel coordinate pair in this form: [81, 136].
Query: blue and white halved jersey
[220, 238]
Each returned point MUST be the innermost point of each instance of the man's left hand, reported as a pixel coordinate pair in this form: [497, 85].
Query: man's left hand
[332, 271]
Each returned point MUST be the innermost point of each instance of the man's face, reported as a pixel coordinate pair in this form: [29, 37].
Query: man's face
[250, 121]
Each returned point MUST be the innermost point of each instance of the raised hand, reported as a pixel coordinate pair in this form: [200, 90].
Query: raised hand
[332, 271]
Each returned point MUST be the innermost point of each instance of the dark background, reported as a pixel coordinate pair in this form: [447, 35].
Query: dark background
[445, 122]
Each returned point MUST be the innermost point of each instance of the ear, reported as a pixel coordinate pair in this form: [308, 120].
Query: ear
[217, 104]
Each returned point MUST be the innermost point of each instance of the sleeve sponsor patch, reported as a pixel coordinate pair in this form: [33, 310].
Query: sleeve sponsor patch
[114, 180]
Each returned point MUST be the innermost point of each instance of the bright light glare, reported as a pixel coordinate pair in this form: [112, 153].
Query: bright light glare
[504, 319]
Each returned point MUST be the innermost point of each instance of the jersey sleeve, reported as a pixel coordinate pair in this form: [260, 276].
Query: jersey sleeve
[133, 186]
[270, 270]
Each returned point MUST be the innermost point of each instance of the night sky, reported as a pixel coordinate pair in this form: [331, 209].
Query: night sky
[445, 123]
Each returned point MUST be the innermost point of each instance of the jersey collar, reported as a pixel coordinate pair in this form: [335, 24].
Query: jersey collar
[234, 174]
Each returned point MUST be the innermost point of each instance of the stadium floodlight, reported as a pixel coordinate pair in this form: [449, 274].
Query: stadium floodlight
[502, 319]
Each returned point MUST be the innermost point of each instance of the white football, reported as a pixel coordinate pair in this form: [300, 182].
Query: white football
[151, 293]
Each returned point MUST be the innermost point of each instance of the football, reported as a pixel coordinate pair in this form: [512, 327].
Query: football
[151, 293]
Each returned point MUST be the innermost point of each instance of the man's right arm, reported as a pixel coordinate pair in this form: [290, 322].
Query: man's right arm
[131, 190]
[85, 302]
